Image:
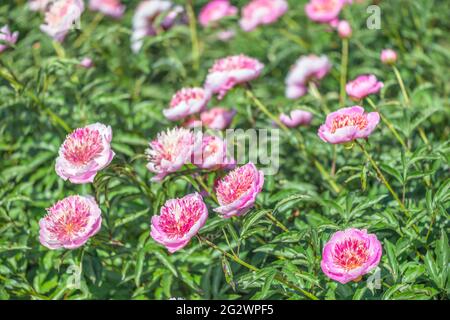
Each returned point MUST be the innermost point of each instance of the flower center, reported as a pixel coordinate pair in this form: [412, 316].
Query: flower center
[234, 185]
[178, 217]
[346, 120]
[351, 254]
[82, 146]
[68, 218]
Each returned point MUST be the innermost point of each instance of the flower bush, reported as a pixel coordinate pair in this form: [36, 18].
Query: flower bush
[357, 209]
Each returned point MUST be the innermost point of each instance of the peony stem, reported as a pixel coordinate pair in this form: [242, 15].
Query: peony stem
[388, 124]
[407, 101]
[88, 31]
[268, 214]
[253, 268]
[299, 138]
[194, 36]
[263, 108]
[402, 85]
[344, 63]
[383, 179]
[277, 222]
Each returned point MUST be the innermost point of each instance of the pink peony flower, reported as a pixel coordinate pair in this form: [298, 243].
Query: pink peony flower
[348, 124]
[230, 71]
[85, 152]
[217, 118]
[170, 151]
[112, 8]
[362, 86]
[216, 10]
[61, 17]
[350, 254]
[7, 38]
[296, 118]
[179, 220]
[262, 12]
[185, 102]
[324, 11]
[39, 5]
[86, 63]
[388, 56]
[237, 191]
[70, 223]
[211, 153]
[344, 29]
[147, 15]
[306, 69]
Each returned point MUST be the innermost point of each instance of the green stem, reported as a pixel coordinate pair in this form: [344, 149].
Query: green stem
[422, 134]
[402, 85]
[388, 124]
[88, 31]
[302, 147]
[194, 36]
[344, 63]
[384, 180]
[255, 269]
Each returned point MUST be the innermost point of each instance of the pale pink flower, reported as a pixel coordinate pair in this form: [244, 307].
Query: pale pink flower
[388, 56]
[179, 220]
[237, 191]
[262, 12]
[226, 35]
[363, 86]
[350, 254]
[216, 10]
[344, 29]
[230, 71]
[85, 152]
[112, 8]
[348, 124]
[39, 5]
[170, 151]
[210, 153]
[296, 118]
[7, 38]
[86, 63]
[70, 222]
[217, 118]
[324, 11]
[146, 17]
[185, 102]
[306, 69]
[61, 16]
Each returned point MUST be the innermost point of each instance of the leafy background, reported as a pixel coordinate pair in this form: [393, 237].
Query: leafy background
[43, 94]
